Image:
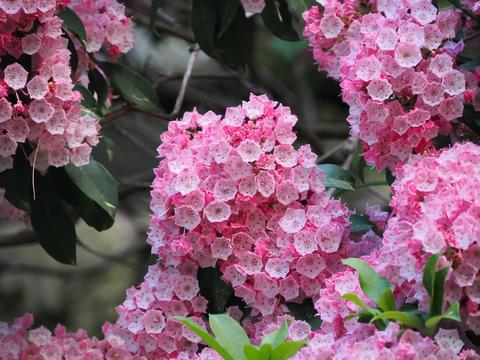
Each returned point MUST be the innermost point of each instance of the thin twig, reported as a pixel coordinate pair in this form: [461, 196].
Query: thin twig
[18, 239]
[465, 10]
[186, 77]
[332, 151]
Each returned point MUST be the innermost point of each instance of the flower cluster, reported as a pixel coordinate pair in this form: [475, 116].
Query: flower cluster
[397, 72]
[18, 342]
[106, 25]
[234, 193]
[368, 343]
[40, 111]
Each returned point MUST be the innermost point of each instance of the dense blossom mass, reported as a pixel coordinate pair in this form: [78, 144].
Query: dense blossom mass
[397, 70]
[40, 111]
[232, 194]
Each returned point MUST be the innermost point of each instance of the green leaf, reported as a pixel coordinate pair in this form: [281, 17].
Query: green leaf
[209, 339]
[153, 16]
[18, 182]
[228, 12]
[358, 163]
[429, 273]
[453, 313]
[52, 224]
[287, 350]
[97, 184]
[436, 301]
[372, 284]
[359, 223]
[229, 334]
[234, 46]
[88, 100]
[73, 54]
[389, 177]
[73, 22]
[355, 299]
[214, 289]
[277, 18]
[365, 315]
[277, 337]
[254, 353]
[133, 87]
[336, 177]
[98, 85]
[306, 312]
[222, 30]
[403, 318]
[251, 352]
[204, 22]
[387, 301]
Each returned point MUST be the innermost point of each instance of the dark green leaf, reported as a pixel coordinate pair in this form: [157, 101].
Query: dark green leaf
[228, 11]
[73, 54]
[429, 273]
[18, 182]
[358, 163]
[52, 224]
[306, 312]
[287, 350]
[98, 85]
[389, 176]
[209, 339]
[372, 284]
[387, 301]
[204, 22]
[235, 45]
[335, 176]
[403, 318]
[471, 118]
[73, 22]
[214, 289]
[88, 100]
[359, 223]
[436, 301]
[229, 334]
[453, 313]
[277, 337]
[132, 87]
[153, 15]
[97, 184]
[277, 18]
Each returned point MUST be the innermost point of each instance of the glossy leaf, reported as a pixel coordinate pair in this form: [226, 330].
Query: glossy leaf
[287, 350]
[429, 273]
[251, 352]
[88, 100]
[52, 224]
[436, 301]
[228, 12]
[97, 184]
[453, 313]
[336, 177]
[372, 284]
[98, 85]
[133, 87]
[278, 18]
[387, 301]
[470, 65]
[403, 318]
[204, 22]
[18, 182]
[276, 337]
[229, 334]
[72, 22]
[209, 339]
[359, 223]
